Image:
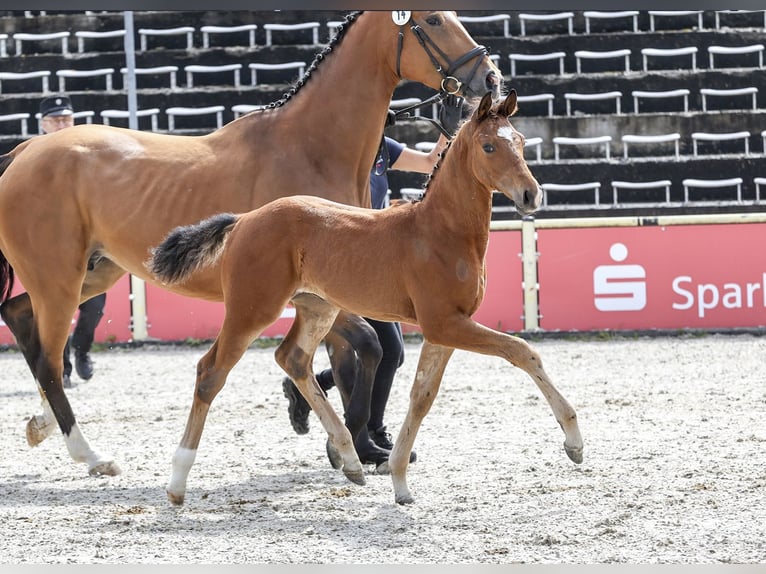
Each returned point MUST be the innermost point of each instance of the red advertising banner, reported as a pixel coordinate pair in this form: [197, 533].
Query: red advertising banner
[503, 305]
[664, 277]
[114, 325]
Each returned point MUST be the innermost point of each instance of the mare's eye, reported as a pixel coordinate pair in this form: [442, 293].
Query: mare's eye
[488, 147]
[433, 21]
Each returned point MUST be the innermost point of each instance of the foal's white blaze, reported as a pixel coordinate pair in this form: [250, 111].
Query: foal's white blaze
[183, 459]
[506, 132]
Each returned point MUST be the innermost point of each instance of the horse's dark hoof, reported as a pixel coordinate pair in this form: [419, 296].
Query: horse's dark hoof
[336, 461]
[574, 453]
[298, 408]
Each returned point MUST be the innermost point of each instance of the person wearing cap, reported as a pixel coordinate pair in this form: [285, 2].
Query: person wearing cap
[57, 113]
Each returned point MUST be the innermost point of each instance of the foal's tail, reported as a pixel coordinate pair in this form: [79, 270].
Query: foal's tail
[191, 247]
[7, 276]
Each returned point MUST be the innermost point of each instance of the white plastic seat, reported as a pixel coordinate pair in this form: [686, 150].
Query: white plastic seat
[242, 109]
[650, 139]
[594, 186]
[719, 13]
[332, 28]
[3, 45]
[646, 53]
[207, 31]
[313, 26]
[22, 118]
[188, 31]
[198, 69]
[535, 143]
[29, 37]
[721, 137]
[712, 184]
[544, 97]
[735, 50]
[614, 95]
[83, 35]
[641, 185]
[603, 55]
[675, 14]
[44, 76]
[411, 193]
[504, 18]
[152, 113]
[584, 141]
[710, 92]
[610, 15]
[661, 95]
[537, 58]
[758, 181]
[172, 72]
[300, 66]
[105, 72]
[524, 17]
[186, 111]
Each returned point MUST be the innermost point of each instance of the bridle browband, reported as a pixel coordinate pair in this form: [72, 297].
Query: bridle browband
[450, 84]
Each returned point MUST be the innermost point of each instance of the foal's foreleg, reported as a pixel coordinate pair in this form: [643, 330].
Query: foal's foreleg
[433, 360]
[464, 333]
[295, 355]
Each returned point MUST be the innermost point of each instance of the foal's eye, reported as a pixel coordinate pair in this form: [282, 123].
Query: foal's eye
[433, 21]
[488, 147]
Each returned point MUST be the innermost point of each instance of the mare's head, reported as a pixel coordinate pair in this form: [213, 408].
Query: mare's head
[434, 48]
[496, 152]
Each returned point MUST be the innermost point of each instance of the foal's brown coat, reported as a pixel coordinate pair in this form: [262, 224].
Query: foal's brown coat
[107, 194]
[322, 250]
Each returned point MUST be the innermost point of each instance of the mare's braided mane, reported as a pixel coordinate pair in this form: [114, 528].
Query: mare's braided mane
[341, 30]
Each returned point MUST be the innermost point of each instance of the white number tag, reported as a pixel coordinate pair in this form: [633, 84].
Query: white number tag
[400, 17]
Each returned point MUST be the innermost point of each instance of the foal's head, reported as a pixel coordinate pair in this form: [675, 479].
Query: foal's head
[497, 153]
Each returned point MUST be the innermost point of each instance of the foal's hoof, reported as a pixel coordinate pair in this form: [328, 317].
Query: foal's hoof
[108, 468]
[175, 498]
[38, 430]
[336, 461]
[574, 453]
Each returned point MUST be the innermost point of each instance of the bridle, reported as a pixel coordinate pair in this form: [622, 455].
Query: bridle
[449, 84]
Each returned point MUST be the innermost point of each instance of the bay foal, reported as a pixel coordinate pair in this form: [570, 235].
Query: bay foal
[316, 253]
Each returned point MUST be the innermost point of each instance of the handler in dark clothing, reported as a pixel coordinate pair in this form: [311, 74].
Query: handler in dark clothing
[56, 113]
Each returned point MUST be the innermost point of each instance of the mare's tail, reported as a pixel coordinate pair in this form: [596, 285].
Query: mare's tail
[190, 247]
[7, 276]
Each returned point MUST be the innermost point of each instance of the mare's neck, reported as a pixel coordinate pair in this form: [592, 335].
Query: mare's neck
[342, 106]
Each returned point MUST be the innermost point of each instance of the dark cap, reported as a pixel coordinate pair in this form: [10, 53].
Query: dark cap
[56, 106]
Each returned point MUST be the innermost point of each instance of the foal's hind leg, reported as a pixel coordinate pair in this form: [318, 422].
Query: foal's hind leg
[313, 319]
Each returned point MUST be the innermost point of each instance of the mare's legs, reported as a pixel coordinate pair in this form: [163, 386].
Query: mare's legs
[462, 332]
[313, 319]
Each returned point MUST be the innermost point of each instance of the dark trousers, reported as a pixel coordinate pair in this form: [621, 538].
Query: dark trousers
[91, 312]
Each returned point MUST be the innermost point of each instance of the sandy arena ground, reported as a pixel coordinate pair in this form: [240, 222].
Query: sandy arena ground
[674, 470]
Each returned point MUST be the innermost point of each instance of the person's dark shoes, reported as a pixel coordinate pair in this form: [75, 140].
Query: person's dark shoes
[382, 438]
[83, 365]
[67, 381]
[370, 453]
[298, 408]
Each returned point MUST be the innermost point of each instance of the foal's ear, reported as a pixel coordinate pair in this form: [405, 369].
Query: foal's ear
[484, 107]
[509, 106]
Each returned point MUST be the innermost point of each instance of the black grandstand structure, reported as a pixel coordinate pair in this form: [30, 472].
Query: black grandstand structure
[625, 112]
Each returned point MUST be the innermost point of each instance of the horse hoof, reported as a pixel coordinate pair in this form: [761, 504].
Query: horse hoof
[574, 453]
[175, 499]
[336, 461]
[404, 499]
[383, 468]
[108, 468]
[37, 432]
[355, 476]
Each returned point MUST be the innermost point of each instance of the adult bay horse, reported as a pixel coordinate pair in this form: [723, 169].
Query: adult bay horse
[316, 253]
[81, 207]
